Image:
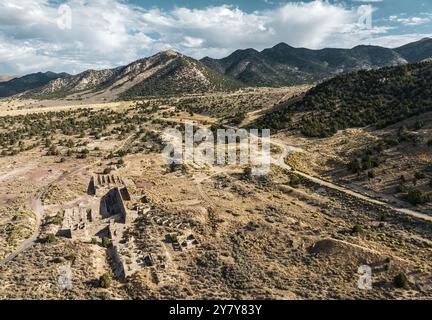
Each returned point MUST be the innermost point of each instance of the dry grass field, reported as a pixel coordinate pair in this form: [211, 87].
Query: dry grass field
[194, 232]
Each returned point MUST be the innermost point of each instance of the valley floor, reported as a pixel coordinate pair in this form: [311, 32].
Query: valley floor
[279, 236]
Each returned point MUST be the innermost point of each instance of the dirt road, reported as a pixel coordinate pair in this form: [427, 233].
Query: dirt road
[38, 209]
[327, 184]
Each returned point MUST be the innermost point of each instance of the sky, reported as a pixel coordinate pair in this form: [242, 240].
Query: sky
[75, 35]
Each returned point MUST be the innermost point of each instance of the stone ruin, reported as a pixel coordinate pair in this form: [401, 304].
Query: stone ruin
[105, 213]
[112, 210]
[101, 181]
[112, 194]
[124, 260]
[112, 201]
[75, 223]
[113, 206]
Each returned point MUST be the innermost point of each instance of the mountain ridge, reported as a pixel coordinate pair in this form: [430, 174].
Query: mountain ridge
[167, 72]
[283, 64]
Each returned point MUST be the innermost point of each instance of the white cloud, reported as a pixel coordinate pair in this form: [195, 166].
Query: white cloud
[107, 33]
[227, 28]
[412, 21]
[191, 42]
[103, 34]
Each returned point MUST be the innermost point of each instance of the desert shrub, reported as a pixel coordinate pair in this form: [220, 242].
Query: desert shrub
[416, 197]
[58, 219]
[356, 229]
[106, 242]
[50, 238]
[401, 188]
[418, 125]
[369, 162]
[294, 181]
[419, 175]
[105, 281]
[52, 151]
[354, 166]
[174, 238]
[401, 281]
[237, 119]
[383, 217]
[390, 141]
[121, 153]
[71, 258]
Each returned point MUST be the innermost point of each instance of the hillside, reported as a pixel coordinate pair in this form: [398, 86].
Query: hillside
[164, 73]
[364, 98]
[416, 51]
[180, 74]
[284, 65]
[28, 82]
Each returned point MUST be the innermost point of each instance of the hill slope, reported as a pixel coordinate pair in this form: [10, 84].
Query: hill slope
[180, 74]
[416, 51]
[375, 97]
[167, 72]
[285, 65]
[28, 82]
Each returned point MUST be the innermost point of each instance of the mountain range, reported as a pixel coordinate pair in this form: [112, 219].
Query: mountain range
[285, 65]
[170, 72]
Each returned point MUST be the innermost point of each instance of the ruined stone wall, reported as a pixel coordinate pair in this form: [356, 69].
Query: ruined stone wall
[112, 204]
[118, 263]
[120, 204]
[74, 224]
[125, 194]
[91, 190]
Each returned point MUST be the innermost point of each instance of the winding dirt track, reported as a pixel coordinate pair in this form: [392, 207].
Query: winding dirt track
[37, 207]
[330, 185]
[280, 161]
